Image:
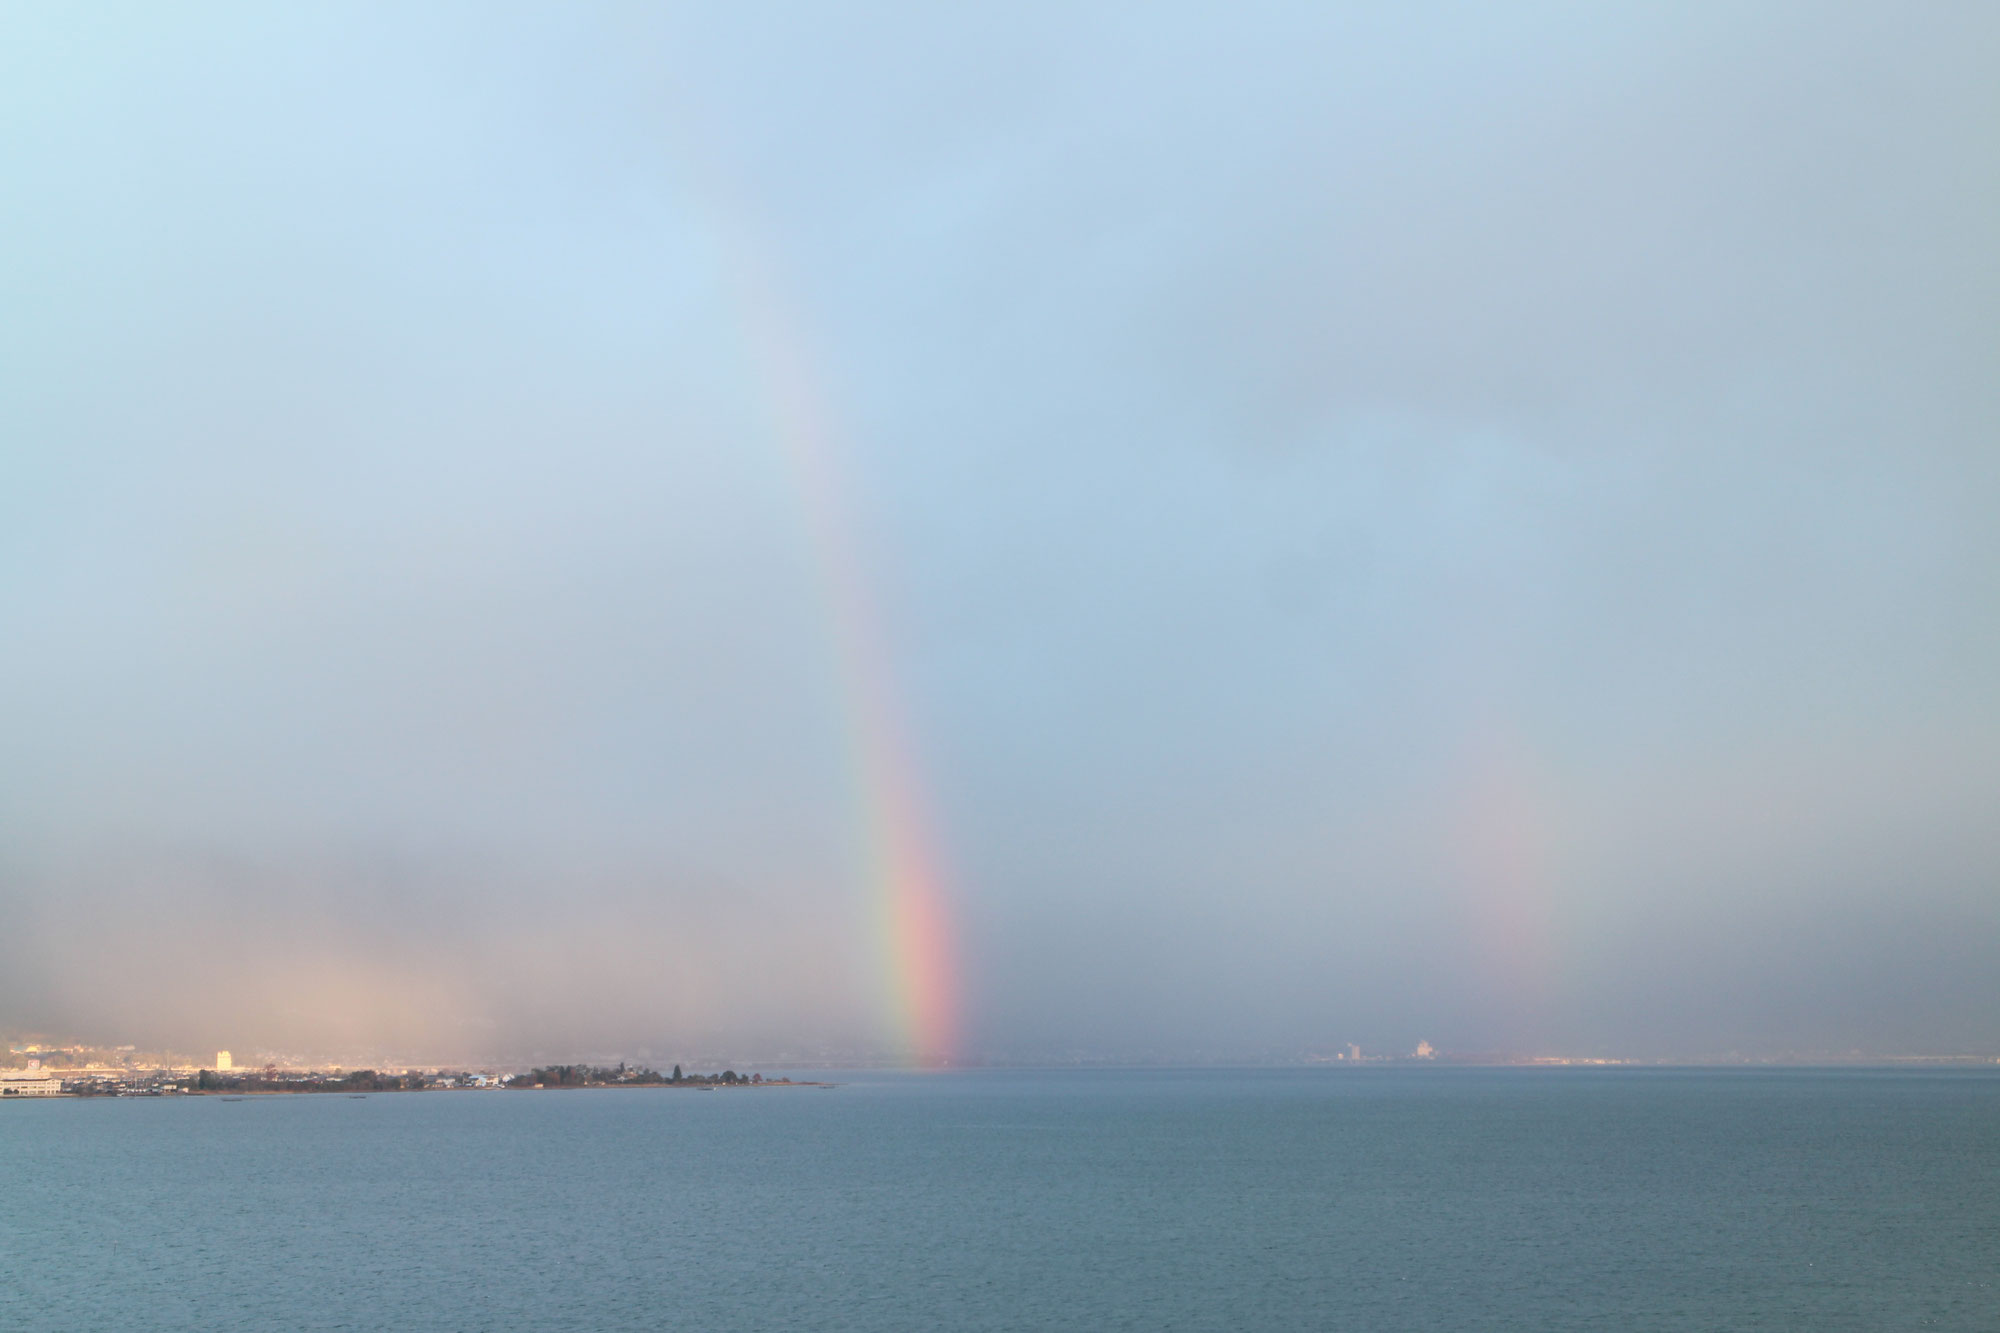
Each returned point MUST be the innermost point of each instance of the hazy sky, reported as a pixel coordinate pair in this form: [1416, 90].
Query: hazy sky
[1383, 522]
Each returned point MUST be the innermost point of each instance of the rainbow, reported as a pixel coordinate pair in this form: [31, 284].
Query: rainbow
[1511, 866]
[903, 867]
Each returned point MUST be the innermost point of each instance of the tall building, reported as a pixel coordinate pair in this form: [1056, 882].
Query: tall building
[223, 1062]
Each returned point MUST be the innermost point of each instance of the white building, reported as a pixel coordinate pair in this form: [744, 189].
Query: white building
[29, 1083]
[222, 1062]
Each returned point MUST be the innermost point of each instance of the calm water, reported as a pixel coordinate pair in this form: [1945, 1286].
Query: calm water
[1446, 1199]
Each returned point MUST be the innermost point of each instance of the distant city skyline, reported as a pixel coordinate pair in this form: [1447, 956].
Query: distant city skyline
[84, 1056]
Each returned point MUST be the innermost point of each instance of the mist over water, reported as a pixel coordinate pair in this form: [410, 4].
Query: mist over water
[1383, 527]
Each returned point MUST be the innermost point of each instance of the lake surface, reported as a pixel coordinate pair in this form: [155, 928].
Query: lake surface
[1364, 1199]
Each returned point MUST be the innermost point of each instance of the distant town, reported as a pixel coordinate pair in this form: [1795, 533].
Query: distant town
[49, 1069]
[58, 1072]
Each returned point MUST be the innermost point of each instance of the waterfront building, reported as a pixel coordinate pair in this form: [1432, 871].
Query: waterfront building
[29, 1083]
[223, 1063]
